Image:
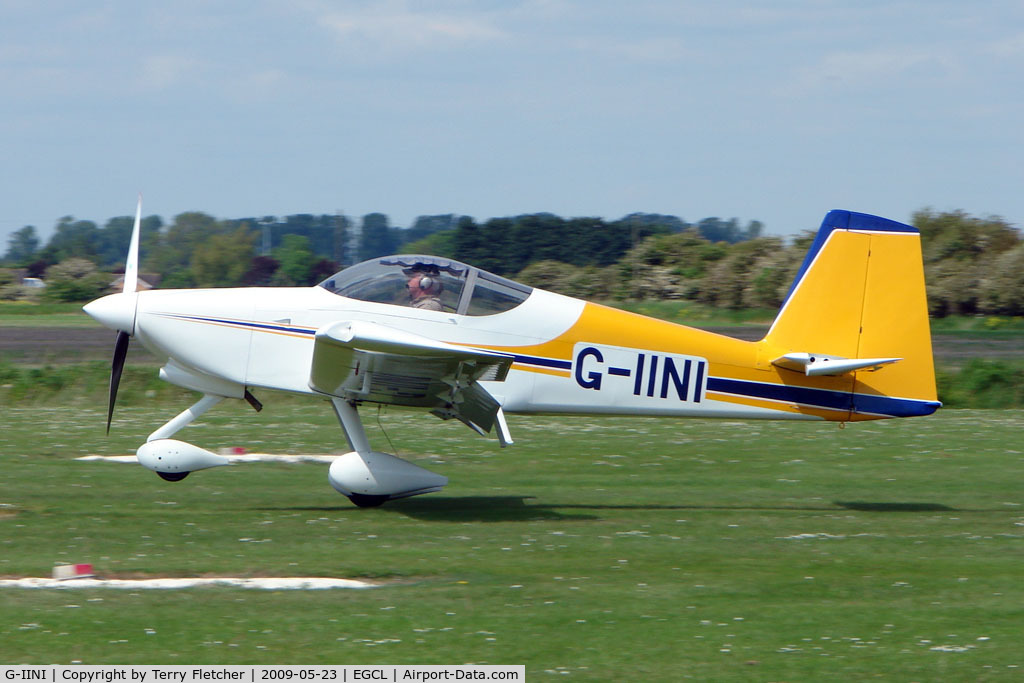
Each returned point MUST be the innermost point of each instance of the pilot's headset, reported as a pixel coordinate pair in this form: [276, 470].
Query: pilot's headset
[429, 284]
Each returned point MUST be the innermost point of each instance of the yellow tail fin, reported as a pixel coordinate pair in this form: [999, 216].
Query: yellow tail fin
[859, 303]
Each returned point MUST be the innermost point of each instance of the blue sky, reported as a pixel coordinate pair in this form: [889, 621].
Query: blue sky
[777, 111]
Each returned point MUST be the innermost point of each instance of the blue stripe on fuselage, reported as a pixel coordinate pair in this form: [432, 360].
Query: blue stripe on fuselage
[244, 323]
[825, 398]
[542, 362]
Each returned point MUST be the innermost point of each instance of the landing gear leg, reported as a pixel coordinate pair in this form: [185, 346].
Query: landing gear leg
[185, 417]
[348, 416]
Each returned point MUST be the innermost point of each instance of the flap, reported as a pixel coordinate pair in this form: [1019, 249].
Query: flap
[474, 406]
[364, 361]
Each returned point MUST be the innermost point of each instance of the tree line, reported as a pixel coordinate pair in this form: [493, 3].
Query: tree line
[197, 250]
[972, 265]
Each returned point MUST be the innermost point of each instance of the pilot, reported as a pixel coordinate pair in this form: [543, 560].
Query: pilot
[425, 291]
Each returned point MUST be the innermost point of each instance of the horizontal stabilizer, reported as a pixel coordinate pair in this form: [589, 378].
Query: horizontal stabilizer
[817, 364]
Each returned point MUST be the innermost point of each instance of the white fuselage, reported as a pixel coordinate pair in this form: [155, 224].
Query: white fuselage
[225, 340]
[264, 337]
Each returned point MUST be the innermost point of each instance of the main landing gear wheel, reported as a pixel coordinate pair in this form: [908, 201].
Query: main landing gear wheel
[365, 501]
[172, 476]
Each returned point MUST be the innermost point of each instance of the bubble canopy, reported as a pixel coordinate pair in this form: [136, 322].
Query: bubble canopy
[460, 288]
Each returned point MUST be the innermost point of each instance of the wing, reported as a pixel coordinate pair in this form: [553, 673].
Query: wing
[364, 361]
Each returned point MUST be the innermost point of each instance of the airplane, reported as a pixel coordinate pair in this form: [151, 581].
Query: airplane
[851, 342]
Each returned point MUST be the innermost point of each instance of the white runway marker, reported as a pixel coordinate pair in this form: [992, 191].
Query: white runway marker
[246, 457]
[282, 583]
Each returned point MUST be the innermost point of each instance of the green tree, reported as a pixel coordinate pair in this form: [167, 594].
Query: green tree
[953, 287]
[116, 235]
[961, 254]
[588, 282]
[321, 270]
[73, 239]
[261, 271]
[223, 260]
[75, 279]
[172, 256]
[296, 262]
[729, 279]
[669, 266]
[469, 243]
[652, 223]
[377, 238]
[22, 246]
[956, 235]
[424, 226]
[12, 290]
[437, 244]
[716, 230]
[769, 277]
[533, 237]
[1002, 287]
[491, 250]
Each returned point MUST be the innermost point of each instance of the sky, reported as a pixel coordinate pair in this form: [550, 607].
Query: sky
[774, 111]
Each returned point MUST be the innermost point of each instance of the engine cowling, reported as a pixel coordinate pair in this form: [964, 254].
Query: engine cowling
[171, 456]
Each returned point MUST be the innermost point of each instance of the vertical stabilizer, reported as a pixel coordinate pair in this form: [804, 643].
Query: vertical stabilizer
[860, 295]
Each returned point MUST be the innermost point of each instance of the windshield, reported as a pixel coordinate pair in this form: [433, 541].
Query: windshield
[428, 283]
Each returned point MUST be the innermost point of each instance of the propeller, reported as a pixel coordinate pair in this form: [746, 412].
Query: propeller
[131, 279]
[116, 367]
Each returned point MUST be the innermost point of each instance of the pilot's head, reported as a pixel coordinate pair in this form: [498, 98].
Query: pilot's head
[423, 284]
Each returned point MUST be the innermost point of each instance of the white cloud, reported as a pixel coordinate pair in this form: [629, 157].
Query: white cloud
[394, 26]
[871, 68]
[1009, 47]
[261, 85]
[656, 50]
[167, 70]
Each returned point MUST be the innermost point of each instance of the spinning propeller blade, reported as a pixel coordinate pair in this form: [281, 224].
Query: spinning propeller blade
[116, 366]
[131, 279]
[131, 266]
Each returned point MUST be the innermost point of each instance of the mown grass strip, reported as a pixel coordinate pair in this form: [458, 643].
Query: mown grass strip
[604, 548]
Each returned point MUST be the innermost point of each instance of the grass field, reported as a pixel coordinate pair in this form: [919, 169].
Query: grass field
[24, 314]
[606, 549]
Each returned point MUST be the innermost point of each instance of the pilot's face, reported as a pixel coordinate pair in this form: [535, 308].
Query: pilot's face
[415, 291]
